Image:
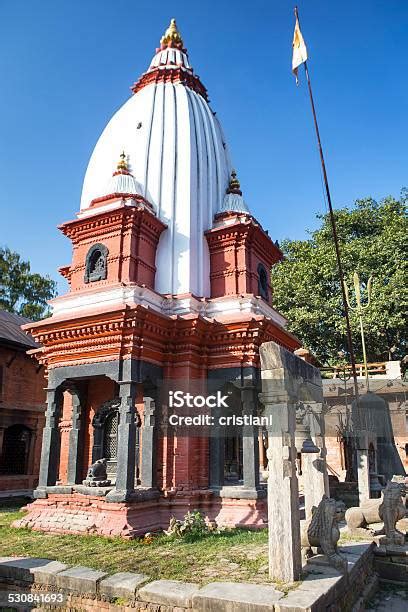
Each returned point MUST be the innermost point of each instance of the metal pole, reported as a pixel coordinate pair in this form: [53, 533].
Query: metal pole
[364, 349]
[334, 230]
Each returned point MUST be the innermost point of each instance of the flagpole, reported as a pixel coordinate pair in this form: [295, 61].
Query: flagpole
[334, 230]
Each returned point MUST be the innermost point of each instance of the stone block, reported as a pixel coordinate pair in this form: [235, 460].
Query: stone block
[388, 570]
[236, 597]
[80, 579]
[355, 548]
[169, 593]
[47, 574]
[123, 584]
[22, 568]
[300, 601]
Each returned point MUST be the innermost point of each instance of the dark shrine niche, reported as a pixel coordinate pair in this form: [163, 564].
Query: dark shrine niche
[96, 268]
[263, 282]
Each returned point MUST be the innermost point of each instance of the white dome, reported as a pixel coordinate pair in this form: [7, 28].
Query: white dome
[122, 183]
[179, 161]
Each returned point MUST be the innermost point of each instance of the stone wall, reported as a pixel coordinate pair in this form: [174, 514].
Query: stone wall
[86, 589]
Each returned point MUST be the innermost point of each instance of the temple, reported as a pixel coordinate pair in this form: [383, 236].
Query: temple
[169, 281]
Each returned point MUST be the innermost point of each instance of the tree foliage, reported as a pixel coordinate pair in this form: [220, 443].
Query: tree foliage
[21, 291]
[373, 241]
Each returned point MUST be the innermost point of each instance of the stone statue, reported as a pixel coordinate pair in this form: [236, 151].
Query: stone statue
[97, 474]
[389, 509]
[321, 533]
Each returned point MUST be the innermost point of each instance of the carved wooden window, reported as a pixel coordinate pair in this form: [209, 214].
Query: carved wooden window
[110, 436]
[96, 263]
[263, 282]
[16, 446]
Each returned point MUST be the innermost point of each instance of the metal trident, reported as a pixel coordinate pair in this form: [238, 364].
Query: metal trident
[359, 308]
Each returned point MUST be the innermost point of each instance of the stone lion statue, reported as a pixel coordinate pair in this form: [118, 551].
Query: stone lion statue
[389, 509]
[97, 474]
[321, 533]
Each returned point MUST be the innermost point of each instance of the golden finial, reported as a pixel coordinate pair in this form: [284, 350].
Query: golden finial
[122, 163]
[172, 36]
[234, 185]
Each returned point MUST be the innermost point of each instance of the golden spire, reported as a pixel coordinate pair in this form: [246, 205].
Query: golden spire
[234, 185]
[172, 36]
[122, 163]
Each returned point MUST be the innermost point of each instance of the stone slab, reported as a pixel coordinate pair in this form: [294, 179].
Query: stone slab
[169, 593]
[47, 574]
[80, 579]
[23, 568]
[241, 493]
[236, 597]
[122, 584]
[355, 548]
[300, 601]
[388, 570]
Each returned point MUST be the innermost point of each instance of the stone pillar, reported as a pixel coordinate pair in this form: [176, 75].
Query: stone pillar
[363, 471]
[314, 468]
[50, 443]
[250, 445]
[283, 493]
[74, 472]
[217, 452]
[148, 466]
[313, 480]
[125, 478]
[283, 380]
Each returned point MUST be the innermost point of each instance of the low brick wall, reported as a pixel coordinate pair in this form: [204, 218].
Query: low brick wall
[86, 589]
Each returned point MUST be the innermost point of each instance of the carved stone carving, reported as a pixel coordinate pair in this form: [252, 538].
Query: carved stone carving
[321, 533]
[389, 509]
[97, 475]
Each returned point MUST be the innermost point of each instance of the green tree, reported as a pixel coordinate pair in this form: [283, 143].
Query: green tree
[373, 241]
[21, 291]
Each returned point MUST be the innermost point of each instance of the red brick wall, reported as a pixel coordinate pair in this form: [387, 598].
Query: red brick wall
[22, 402]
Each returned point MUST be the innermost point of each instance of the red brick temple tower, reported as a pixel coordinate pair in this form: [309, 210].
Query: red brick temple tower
[169, 280]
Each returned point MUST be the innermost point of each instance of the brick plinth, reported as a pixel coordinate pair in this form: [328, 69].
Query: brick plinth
[85, 514]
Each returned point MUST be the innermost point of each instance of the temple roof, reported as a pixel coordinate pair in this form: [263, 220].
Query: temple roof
[180, 163]
[11, 332]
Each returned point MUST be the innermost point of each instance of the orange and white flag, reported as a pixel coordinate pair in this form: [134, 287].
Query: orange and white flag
[299, 50]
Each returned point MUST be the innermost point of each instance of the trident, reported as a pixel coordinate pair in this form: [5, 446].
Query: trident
[360, 308]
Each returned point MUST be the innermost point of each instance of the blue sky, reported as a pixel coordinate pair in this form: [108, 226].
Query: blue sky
[66, 67]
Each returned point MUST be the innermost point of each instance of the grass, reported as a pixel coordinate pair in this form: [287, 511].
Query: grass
[235, 555]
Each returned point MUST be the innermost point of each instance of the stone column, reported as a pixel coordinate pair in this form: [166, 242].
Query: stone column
[125, 478]
[363, 471]
[50, 443]
[250, 445]
[147, 470]
[217, 452]
[314, 469]
[283, 493]
[283, 379]
[74, 472]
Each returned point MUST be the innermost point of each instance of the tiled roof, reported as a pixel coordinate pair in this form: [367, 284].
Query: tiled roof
[10, 330]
